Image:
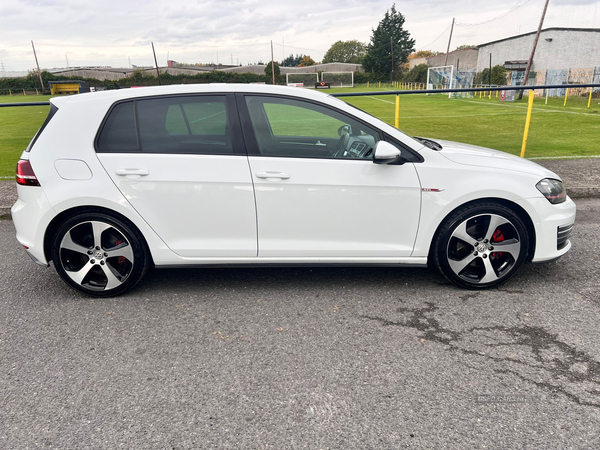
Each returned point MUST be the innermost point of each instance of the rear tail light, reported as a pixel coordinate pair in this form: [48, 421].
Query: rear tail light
[25, 175]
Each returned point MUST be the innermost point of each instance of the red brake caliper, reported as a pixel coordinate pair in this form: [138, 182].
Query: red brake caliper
[497, 237]
[120, 259]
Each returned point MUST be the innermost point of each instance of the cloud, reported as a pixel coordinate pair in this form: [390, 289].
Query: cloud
[111, 32]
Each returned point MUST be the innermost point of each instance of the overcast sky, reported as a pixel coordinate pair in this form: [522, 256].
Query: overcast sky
[116, 32]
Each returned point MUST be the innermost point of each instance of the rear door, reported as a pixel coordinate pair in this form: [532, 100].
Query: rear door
[181, 163]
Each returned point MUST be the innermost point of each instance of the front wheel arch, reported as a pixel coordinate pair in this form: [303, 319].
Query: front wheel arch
[523, 215]
[54, 225]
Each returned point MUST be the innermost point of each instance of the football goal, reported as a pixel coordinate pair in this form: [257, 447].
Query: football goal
[338, 79]
[308, 79]
[448, 77]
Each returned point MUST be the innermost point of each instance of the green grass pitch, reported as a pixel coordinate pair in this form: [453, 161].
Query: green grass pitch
[555, 130]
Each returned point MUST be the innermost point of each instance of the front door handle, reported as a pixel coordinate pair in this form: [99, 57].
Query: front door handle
[131, 173]
[276, 175]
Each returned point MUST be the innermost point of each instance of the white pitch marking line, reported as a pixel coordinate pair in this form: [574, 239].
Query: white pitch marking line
[565, 157]
[535, 109]
[382, 100]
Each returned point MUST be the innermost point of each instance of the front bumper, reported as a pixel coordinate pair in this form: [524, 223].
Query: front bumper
[549, 220]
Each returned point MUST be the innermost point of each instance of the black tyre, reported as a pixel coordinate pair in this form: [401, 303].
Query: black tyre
[481, 245]
[99, 254]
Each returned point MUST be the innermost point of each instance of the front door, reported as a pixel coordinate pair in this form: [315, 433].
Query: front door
[318, 192]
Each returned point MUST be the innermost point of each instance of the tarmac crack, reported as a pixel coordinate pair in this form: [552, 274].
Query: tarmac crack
[531, 353]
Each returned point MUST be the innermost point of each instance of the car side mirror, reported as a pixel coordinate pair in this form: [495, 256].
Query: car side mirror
[386, 153]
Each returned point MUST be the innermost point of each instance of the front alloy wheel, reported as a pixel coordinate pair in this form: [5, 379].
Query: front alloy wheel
[99, 255]
[481, 246]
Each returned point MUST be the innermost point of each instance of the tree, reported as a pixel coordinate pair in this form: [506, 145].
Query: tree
[307, 61]
[378, 59]
[269, 73]
[422, 54]
[464, 47]
[292, 61]
[346, 52]
[417, 74]
[498, 76]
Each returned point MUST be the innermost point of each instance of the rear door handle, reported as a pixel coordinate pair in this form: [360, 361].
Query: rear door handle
[132, 172]
[277, 175]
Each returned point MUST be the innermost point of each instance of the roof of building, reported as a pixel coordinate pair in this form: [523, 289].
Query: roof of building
[596, 30]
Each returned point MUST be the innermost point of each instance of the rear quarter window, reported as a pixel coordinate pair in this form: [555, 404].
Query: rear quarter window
[53, 111]
[118, 134]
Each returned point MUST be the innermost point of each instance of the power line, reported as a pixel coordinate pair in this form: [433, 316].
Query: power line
[300, 48]
[441, 34]
[491, 20]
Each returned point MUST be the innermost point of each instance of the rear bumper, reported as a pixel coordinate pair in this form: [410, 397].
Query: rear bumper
[550, 221]
[31, 215]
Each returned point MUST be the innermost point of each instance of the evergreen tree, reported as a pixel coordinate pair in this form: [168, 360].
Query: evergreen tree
[379, 52]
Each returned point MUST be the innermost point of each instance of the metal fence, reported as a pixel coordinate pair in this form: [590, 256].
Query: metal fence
[531, 89]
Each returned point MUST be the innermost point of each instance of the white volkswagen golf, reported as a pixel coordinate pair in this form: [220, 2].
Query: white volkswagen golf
[214, 175]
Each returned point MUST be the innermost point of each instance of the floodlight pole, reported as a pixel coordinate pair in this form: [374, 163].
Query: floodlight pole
[535, 42]
[449, 39]
[490, 77]
[392, 47]
[272, 63]
[156, 64]
[38, 65]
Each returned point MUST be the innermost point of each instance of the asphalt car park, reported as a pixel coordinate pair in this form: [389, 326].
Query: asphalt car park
[304, 357]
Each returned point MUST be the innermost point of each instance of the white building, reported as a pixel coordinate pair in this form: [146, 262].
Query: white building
[558, 48]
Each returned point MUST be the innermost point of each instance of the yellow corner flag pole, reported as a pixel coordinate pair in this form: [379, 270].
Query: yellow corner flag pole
[397, 115]
[590, 99]
[527, 122]
[566, 97]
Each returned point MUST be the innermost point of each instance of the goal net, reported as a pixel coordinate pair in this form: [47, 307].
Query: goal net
[448, 77]
[308, 79]
[338, 79]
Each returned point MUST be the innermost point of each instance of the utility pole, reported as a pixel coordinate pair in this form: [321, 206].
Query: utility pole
[490, 77]
[392, 47]
[67, 58]
[535, 42]
[272, 63]
[156, 64]
[449, 39]
[38, 65]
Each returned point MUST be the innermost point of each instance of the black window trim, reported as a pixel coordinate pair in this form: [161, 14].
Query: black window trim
[252, 143]
[237, 141]
[51, 113]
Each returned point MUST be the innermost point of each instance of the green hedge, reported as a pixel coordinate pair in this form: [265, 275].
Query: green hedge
[137, 78]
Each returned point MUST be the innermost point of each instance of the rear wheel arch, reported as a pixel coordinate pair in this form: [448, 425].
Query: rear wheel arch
[67, 214]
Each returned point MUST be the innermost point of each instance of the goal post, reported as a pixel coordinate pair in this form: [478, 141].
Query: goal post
[448, 77]
[338, 79]
[308, 79]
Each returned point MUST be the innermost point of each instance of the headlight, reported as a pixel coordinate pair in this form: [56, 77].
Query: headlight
[553, 190]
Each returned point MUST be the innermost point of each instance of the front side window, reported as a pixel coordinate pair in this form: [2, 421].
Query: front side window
[295, 128]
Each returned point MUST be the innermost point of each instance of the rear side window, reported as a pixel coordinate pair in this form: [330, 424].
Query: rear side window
[118, 134]
[53, 110]
[195, 124]
[181, 124]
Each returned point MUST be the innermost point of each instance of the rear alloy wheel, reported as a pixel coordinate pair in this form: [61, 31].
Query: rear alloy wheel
[99, 255]
[481, 246]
